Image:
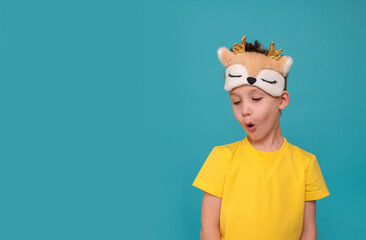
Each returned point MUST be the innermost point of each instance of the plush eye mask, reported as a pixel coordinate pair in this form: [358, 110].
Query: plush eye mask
[267, 72]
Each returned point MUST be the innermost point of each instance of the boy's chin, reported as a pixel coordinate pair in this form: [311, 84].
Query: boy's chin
[253, 136]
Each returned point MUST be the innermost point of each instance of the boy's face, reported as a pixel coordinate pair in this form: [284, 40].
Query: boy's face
[257, 111]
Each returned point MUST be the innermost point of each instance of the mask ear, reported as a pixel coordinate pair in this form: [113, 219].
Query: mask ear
[225, 56]
[287, 63]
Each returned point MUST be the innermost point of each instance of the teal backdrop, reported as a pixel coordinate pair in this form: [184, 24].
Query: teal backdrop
[108, 110]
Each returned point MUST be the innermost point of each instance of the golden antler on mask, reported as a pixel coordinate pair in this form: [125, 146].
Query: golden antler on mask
[239, 48]
[273, 53]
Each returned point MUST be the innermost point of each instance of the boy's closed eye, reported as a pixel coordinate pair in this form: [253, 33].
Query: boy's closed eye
[255, 99]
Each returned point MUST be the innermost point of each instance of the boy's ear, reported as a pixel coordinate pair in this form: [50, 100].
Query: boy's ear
[285, 100]
[225, 56]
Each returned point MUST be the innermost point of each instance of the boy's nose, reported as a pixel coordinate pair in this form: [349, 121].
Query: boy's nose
[251, 80]
[245, 110]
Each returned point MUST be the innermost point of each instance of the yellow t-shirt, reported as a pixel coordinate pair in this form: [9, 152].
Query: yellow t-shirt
[263, 193]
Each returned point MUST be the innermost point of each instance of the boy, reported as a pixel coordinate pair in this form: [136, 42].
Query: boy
[261, 187]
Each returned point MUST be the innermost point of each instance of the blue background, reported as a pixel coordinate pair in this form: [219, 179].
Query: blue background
[109, 109]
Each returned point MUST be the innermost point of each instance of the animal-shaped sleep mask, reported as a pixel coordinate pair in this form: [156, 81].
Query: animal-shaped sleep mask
[266, 72]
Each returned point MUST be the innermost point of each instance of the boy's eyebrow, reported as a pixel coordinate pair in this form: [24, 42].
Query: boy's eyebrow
[233, 94]
[250, 91]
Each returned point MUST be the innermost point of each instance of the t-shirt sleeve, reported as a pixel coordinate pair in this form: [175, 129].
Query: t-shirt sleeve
[211, 177]
[315, 187]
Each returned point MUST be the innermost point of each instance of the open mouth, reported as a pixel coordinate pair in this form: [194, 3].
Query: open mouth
[251, 127]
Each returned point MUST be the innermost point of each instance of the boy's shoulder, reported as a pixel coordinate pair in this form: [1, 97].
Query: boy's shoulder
[297, 150]
[307, 158]
[228, 148]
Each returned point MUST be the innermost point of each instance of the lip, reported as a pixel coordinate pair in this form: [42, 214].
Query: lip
[252, 128]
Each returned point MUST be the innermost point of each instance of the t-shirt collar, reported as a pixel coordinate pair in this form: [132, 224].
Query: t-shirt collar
[264, 154]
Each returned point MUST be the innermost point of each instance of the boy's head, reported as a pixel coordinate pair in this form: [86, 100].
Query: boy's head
[256, 81]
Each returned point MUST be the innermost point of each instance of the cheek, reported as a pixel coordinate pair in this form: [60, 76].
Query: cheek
[266, 113]
[237, 113]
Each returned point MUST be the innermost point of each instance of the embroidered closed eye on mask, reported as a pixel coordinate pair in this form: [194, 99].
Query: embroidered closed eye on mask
[266, 72]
